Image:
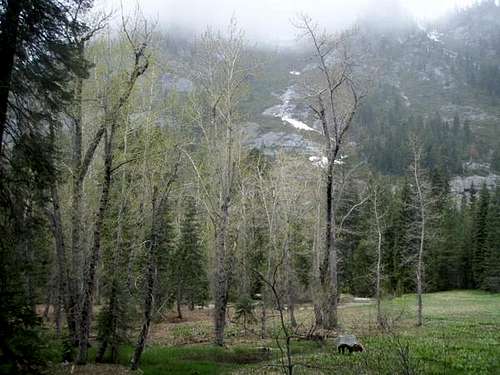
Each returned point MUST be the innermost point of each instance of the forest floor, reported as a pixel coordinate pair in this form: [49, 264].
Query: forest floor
[461, 335]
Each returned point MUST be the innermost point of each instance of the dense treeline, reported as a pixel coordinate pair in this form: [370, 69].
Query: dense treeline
[461, 250]
[384, 137]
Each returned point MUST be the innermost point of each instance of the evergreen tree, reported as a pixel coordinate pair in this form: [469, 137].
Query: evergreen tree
[189, 261]
[36, 66]
[445, 268]
[479, 237]
[363, 255]
[440, 254]
[349, 238]
[491, 280]
[300, 248]
[468, 209]
[114, 319]
[399, 240]
[166, 262]
[495, 160]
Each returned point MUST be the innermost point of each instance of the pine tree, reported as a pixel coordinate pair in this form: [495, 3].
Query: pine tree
[36, 65]
[363, 254]
[495, 160]
[479, 237]
[468, 209]
[300, 248]
[37, 61]
[491, 279]
[398, 239]
[165, 262]
[189, 261]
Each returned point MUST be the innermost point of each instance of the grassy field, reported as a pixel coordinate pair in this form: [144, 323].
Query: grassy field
[461, 335]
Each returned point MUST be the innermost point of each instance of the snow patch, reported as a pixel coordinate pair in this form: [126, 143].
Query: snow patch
[285, 111]
[434, 36]
[298, 124]
[318, 161]
[322, 161]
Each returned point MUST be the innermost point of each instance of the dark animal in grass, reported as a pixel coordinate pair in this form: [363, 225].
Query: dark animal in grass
[349, 343]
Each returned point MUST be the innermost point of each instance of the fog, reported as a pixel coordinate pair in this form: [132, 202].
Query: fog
[268, 21]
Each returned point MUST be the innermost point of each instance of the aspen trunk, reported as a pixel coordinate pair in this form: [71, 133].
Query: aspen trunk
[329, 279]
[148, 299]
[379, 260]
[316, 284]
[421, 204]
[179, 298]
[90, 280]
[290, 296]
[221, 282]
[420, 274]
[64, 295]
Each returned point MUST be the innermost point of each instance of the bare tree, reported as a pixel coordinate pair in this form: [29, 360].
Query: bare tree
[220, 74]
[159, 206]
[422, 202]
[286, 352]
[81, 160]
[335, 99]
[112, 112]
[379, 228]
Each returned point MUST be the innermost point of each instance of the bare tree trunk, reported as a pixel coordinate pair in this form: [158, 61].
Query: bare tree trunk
[81, 164]
[221, 281]
[419, 289]
[117, 256]
[420, 270]
[179, 299]
[57, 311]
[263, 320]
[148, 307]
[90, 281]
[316, 284]
[77, 191]
[421, 207]
[289, 287]
[141, 63]
[379, 259]
[378, 292]
[330, 280]
[64, 294]
[286, 362]
[158, 212]
[342, 101]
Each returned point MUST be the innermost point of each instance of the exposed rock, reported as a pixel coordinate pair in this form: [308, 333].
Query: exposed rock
[463, 185]
[281, 140]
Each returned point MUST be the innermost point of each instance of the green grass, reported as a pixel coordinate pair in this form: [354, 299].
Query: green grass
[194, 360]
[461, 335]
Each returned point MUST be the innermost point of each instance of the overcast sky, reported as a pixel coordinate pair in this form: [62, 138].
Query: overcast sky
[269, 20]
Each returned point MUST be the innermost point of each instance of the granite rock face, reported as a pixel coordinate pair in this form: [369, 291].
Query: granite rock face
[464, 185]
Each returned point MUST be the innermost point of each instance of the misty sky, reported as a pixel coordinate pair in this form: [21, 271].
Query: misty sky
[269, 20]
